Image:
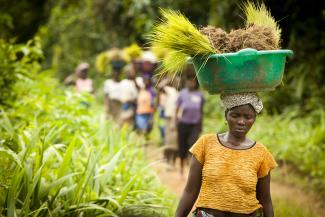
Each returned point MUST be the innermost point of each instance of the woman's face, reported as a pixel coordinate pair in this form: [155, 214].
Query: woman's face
[191, 84]
[240, 119]
[82, 74]
[148, 66]
[131, 74]
[116, 75]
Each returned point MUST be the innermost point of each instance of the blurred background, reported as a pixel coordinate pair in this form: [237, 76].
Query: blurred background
[71, 31]
[42, 42]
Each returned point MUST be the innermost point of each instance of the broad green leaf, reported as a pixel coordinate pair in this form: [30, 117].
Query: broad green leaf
[67, 158]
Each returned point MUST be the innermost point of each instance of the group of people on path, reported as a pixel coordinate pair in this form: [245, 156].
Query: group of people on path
[135, 100]
[133, 95]
[229, 172]
[182, 112]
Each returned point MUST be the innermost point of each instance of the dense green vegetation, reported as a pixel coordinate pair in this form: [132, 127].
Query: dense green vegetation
[62, 24]
[17, 62]
[61, 158]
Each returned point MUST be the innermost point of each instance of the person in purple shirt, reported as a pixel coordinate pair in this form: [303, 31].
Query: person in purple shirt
[189, 117]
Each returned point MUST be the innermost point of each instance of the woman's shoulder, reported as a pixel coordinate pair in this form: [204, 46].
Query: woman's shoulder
[209, 137]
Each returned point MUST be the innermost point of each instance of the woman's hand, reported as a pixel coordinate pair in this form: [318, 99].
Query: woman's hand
[191, 190]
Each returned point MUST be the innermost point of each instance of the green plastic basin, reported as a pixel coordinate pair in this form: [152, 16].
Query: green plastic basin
[247, 70]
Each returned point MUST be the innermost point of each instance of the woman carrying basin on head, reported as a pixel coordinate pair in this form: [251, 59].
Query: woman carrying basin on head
[229, 172]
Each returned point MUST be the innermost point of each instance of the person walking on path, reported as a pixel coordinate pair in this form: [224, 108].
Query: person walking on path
[145, 108]
[189, 113]
[129, 95]
[148, 65]
[161, 106]
[170, 140]
[83, 83]
[112, 90]
[229, 172]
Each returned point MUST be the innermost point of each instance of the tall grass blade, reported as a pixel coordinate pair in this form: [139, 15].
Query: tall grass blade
[108, 168]
[67, 158]
[12, 154]
[6, 124]
[13, 192]
[126, 190]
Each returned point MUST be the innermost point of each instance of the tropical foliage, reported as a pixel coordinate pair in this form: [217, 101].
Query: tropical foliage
[61, 25]
[60, 157]
[17, 62]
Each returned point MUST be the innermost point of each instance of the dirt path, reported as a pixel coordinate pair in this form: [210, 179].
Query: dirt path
[175, 184]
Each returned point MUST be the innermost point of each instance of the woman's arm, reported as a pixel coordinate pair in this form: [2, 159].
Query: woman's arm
[264, 196]
[191, 190]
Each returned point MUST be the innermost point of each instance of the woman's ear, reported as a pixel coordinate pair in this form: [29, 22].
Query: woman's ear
[226, 112]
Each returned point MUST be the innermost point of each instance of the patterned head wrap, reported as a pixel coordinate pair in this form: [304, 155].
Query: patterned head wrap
[82, 66]
[233, 100]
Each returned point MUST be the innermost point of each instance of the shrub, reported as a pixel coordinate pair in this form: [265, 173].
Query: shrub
[17, 61]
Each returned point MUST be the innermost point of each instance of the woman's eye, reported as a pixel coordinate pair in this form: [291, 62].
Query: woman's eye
[249, 117]
[234, 115]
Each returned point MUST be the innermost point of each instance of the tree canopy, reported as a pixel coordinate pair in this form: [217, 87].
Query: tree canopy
[73, 31]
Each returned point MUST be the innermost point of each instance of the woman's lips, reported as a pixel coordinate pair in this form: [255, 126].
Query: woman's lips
[240, 129]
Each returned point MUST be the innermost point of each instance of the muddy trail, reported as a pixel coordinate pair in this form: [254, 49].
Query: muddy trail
[175, 183]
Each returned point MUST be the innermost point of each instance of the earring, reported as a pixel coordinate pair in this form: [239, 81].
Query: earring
[226, 123]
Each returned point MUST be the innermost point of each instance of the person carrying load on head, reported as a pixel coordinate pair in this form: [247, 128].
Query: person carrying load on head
[189, 113]
[168, 88]
[229, 172]
[145, 108]
[112, 90]
[129, 94]
[83, 83]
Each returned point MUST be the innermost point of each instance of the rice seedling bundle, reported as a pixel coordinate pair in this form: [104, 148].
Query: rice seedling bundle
[260, 16]
[182, 40]
[101, 62]
[133, 51]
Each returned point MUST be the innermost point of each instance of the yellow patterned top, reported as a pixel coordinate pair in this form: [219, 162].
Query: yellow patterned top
[229, 176]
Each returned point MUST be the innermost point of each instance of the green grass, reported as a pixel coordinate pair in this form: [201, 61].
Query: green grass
[284, 208]
[65, 159]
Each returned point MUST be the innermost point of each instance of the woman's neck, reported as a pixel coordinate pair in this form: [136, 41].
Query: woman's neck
[235, 139]
[191, 90]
